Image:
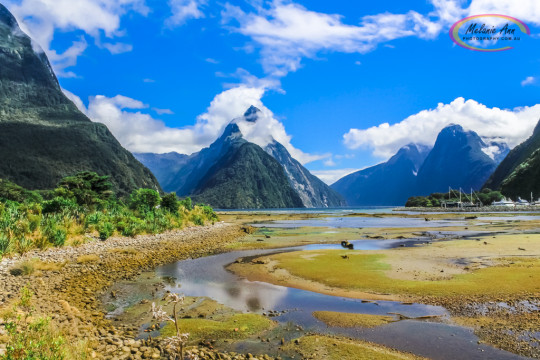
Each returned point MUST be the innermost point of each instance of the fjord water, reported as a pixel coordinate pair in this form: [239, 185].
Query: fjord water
[436, 338]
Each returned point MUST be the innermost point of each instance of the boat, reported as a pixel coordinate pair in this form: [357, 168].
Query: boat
[521, 202]
[503, 202]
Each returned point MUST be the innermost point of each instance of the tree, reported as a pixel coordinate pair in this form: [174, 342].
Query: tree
[144, 200]
[170, 203]
[86, 188]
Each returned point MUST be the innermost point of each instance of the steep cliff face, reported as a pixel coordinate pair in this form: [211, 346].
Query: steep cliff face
[233, 173]
[518, 164]
[313, 192]
[458, 159]
[389, 183]
[43, 136]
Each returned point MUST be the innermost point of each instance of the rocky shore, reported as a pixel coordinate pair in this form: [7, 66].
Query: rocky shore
[69, 290]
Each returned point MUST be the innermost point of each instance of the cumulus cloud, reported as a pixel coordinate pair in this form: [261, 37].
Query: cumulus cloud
[41, 18]
[184, 10]
[287, 32]
[118, 48]
[529, 80]
[136, 130]
[331, 176]
[511, 126]
[525, 10]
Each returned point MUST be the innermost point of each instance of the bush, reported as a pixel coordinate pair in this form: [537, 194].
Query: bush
[170, 203]
[58, 205]
[53, 234]
[187, 203]
[197, 220]
[144, 200]
[105, 230]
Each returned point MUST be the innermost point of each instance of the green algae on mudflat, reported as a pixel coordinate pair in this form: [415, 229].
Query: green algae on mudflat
[366, 272]
[350, 320]
[224, 326]
[336, 348]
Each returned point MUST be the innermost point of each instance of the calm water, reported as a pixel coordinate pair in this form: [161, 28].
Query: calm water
[436, 339]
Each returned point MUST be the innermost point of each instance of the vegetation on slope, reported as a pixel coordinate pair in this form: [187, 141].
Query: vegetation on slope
[83, 206]
[486, 196]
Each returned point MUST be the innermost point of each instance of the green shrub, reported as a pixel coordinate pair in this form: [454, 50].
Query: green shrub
[105, 230]
[58, 205]
[197, 220]
[144, 200]
[53, 233]
[170, 203]
[4, 244]
[187, 203]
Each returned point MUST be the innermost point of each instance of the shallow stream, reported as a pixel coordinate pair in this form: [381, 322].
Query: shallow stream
[435, 338]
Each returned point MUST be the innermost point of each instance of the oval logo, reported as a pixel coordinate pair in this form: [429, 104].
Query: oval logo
[488, 32]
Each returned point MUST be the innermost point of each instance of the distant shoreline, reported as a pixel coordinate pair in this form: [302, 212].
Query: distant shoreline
[489, 209]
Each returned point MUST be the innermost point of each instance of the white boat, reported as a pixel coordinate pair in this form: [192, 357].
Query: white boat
[503, 202]
[521, 202]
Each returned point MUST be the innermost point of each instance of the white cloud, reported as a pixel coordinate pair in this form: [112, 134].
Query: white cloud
[510, 126]
[287, 32]
[329, 162]
[184, 10]
[118, 48]
[140, 132]
[41, 18]
[163, 111]
[211, 61]
[149, 80]
[529, 80]
[527, 11]
[331, 176]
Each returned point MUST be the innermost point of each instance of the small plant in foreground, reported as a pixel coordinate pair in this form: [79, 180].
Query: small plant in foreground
[174, 343]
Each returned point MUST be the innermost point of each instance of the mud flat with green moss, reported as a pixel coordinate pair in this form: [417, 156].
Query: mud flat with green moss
[66, 285]
[488, 283]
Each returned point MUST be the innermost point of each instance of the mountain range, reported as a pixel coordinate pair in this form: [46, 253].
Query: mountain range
[459, 159]
[43, 136]
[518, 175]
[235, 173]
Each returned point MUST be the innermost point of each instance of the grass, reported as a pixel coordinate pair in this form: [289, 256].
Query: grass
[333, 348]
[349, 320]
[83, 259]
[128, 250]
[236, 326]
[366, 272]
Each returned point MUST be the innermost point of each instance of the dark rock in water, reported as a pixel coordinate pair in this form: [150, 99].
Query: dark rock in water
[43, 136]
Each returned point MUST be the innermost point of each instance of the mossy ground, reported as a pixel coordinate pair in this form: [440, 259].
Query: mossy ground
[349, 320]
[334, 348]
[366, 272]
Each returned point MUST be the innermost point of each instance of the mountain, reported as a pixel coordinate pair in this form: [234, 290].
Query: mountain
[313, 192]
[389, 183]
[232, 173]
[519, 155]
[163, 166]
[43, 136]
[235, 173]
[517, 174]
[459, 158]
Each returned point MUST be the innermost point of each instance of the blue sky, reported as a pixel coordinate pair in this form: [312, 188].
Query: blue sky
[342, 84]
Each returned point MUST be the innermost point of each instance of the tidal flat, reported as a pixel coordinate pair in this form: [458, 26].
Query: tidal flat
[484, 269]
[319, 286]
